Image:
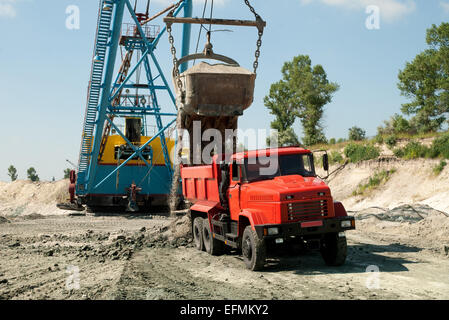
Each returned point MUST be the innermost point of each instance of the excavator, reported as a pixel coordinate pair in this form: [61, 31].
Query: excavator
[131, 141]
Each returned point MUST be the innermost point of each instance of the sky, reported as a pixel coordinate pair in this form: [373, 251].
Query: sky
[45, 66]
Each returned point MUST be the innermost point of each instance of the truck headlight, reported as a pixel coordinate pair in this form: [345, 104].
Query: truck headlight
[273, 231]
[346, 224]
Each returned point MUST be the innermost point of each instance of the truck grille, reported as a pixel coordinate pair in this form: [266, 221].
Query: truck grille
[307, 210]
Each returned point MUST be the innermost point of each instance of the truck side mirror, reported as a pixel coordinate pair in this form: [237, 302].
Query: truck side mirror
[326, 162]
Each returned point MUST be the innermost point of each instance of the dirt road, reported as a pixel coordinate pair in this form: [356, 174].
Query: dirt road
[131, 257]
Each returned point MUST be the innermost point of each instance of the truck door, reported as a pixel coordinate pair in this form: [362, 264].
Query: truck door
[234, 191]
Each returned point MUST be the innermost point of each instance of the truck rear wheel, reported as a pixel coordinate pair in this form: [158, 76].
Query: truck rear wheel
[334, 249]
[211, 245]
[197, 232]
[254, 250]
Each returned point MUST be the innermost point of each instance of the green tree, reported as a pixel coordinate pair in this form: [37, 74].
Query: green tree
[32, 175]
[397, 124]
[12, 173]
[280, 103]
[67, 173]
[284, 138]
[357, 134]
[425, 81]
[303, 92]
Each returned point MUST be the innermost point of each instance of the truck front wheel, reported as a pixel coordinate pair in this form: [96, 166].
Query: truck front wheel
[334, 249]
[197, 231]
[253, 250]
[211, 245]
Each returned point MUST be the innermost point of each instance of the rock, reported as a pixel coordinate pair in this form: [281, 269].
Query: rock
[86, 248]
[143, 229]
[49, 253]
[445, 250]
[4, 281]
[116, 237]
[34, 216]
[102, 237]
[15, 244]
[3, 220]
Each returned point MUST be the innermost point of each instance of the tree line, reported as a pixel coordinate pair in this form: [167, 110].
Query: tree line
[32, 174]
[304, 90]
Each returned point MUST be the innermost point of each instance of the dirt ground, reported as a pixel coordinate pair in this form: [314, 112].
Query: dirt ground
[151, 257]
[400, 249]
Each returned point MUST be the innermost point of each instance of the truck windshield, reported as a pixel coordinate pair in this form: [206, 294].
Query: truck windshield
[265, 168]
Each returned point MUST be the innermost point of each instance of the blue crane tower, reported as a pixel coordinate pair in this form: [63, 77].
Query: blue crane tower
[121, 163]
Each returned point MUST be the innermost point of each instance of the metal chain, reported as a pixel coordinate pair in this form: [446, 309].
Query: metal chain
[257, 54]
[173, 49]
[171, 40]
[252, 9]
[259, 40]
[175, 60]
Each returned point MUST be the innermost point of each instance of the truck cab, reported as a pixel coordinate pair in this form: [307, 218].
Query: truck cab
[258, 201]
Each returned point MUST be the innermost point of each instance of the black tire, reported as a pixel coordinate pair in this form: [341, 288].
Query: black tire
[254, 250]
[334, 249]
[211, 245]
[197, 232]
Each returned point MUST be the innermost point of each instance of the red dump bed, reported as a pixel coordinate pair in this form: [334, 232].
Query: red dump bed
[200, 183]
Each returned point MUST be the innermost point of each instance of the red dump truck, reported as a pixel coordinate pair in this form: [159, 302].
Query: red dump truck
[257, 201]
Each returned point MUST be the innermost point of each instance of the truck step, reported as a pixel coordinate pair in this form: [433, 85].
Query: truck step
[231, 236]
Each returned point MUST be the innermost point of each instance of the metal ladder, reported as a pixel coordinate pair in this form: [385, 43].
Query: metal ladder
[90, 118]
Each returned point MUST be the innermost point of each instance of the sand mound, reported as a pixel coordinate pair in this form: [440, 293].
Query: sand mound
[180, 228]
[24, 198]
[404, 213]
[421, 225]
[411, 207]
[178, 233]
[413, 183]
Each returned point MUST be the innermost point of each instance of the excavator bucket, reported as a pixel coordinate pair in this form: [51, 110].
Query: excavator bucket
[218, 90]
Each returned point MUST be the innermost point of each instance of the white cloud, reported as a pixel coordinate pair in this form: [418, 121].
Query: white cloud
[390, 10]
[445, 6]
[7, 8]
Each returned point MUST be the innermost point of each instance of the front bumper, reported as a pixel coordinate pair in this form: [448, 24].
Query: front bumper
[306, 228]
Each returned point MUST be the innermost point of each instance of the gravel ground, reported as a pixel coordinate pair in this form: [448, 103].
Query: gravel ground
[151, 257]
